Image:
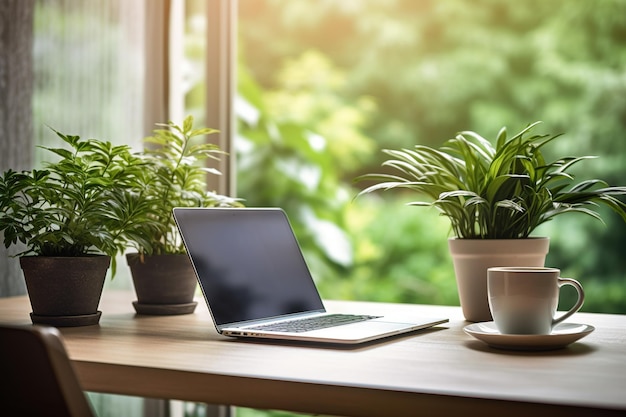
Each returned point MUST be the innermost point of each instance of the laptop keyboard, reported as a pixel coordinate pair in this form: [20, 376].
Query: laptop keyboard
[313, 323]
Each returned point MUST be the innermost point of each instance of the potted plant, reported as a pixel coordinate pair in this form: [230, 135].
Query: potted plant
[162, 273]
[494, 197]
[73, 217]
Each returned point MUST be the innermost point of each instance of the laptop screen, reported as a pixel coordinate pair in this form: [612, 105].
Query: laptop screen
[248, 262]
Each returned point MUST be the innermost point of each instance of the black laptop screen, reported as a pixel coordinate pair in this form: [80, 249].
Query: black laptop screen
[248, 262]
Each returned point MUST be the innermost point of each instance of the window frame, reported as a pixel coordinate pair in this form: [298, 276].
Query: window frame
[220, 76]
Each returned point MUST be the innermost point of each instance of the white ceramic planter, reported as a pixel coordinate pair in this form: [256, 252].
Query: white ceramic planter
[472, 257]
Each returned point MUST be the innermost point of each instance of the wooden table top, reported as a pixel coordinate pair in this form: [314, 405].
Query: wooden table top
[438, 371]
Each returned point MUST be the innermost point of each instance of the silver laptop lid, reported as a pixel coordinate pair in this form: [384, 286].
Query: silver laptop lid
[248, 263]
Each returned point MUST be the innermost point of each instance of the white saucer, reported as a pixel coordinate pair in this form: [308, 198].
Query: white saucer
[562, 335]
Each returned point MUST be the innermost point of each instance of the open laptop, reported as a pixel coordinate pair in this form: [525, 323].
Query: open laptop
[257, 284]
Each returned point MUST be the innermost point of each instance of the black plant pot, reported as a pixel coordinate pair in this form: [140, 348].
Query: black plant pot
[164, 284]
[65, 291]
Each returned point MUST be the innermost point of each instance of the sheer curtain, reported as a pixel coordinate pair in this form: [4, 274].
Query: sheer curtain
[89, 66]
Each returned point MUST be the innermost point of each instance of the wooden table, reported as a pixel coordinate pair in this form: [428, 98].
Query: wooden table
[440, 371]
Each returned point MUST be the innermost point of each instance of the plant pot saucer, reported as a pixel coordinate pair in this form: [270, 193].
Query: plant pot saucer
[164, 309]
[67, 321]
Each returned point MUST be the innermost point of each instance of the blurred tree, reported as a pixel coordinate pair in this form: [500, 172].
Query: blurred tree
[437, 67]
[428, 68]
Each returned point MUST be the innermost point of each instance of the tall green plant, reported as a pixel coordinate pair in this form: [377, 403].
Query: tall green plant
[501, 192]
[82, 204]
[175, 158]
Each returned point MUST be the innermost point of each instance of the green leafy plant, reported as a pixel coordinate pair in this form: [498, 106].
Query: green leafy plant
[174, 160]
[82, 204]
[501, 192]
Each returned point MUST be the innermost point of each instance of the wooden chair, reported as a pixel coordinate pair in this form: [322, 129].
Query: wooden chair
[37, 375]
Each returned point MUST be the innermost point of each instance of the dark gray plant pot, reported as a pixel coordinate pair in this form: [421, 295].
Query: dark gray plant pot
[65, 291]
[164, 284]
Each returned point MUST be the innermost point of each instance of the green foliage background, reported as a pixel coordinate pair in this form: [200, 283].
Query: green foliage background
[328, 84]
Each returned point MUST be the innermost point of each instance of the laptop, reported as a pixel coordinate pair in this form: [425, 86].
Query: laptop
[256, 282]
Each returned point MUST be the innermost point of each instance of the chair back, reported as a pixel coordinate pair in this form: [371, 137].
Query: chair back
[37, 375]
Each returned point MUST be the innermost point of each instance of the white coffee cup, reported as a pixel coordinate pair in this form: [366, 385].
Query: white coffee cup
[523, 300]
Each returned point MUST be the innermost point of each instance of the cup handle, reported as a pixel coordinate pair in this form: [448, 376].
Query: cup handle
[579, 303]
